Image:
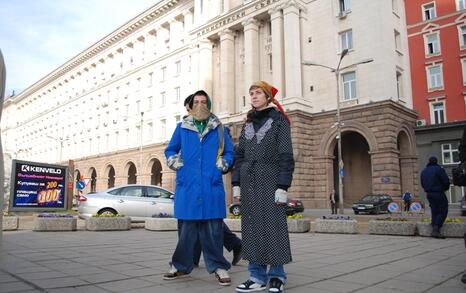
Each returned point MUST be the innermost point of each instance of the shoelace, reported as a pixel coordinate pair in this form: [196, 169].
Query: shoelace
[248, 283]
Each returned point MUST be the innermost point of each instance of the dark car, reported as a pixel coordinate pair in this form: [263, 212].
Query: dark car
[372, 203]
[293, 206]
[463, 206]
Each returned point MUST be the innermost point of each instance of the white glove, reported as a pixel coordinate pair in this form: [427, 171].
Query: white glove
[236, 192]
[175, 162]
[222, 165]
[280, 196]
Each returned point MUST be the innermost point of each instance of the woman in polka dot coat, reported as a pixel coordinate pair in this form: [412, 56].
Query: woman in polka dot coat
[263, 172]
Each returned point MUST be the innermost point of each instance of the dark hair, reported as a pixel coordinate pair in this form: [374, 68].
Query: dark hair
[188, 100]
[199, 93]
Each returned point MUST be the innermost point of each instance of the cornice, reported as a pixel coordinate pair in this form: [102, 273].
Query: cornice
[120, 33]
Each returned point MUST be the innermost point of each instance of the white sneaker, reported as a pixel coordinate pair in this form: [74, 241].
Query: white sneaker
[223, 277]
[250, 286]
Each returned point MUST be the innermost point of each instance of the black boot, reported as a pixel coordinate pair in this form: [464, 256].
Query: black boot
[436, 233]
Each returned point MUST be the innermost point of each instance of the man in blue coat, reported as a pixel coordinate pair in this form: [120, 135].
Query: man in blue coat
[435, 182]
[199, 151]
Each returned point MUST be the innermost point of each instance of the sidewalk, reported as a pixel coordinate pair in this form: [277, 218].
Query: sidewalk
[134, 261]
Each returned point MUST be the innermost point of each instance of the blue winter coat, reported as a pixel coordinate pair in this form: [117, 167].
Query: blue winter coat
[434, 179]
[199, 193]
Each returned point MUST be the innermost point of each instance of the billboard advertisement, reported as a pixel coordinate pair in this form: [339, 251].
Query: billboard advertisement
[38, 186]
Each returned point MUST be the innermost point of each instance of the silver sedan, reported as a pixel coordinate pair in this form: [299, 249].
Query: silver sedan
[134, 200]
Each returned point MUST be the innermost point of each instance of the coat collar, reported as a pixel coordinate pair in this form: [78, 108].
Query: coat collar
[212, 123]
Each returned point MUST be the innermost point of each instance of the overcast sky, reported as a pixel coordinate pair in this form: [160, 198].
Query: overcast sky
[37, 36]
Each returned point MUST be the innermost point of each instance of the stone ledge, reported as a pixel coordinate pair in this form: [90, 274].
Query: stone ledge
[404, 228]
[337, 226]
[299, 225]
[108, 223]
[450, 230]
[161, 224]
[54, 224]
[10, 223]
[233, 224]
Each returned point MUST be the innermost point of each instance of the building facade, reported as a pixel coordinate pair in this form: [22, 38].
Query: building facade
[437, 48]
[112, 108]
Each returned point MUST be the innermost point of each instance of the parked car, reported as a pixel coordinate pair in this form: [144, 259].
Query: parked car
[372, 203]
[463, 206]
[293, 206]
[134, 200]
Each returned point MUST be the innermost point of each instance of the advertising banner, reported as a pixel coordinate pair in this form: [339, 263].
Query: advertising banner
[38, 186]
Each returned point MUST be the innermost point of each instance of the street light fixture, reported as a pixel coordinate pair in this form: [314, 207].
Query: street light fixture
[339, 124]
[61, 140]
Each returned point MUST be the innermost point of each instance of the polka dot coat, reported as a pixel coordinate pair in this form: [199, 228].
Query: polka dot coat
[264, 160]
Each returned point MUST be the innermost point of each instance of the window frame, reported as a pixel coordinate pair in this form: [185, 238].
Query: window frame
[457, 2]
[434, 9]
[346, 33]
[433, 113]
[430, 87]
[461, 36]
[353, 84]
[451, 152]
[426, 44]
[344, 6]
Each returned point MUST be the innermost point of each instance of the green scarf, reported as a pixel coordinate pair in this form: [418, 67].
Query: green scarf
[200, 125]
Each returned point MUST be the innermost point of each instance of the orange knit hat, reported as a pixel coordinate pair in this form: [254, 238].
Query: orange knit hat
[270, 91]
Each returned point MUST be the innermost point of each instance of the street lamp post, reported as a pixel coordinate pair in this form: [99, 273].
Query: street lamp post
[339, 124]
[61, 140]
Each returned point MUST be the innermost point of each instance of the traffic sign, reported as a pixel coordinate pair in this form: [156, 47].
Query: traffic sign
[80, 184]
[415, 207]
[393, 207]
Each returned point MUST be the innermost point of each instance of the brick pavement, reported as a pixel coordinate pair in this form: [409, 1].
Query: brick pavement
[134, 261]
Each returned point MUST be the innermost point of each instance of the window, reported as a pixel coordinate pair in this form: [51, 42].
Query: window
[163, 74]
[345, 5]
[177, 68]
[149, 79]
[432, 44]
[126, 136]
[349, 86]
[163, 128]
[346, 40]
[149, 103]
[397, 40]
[462, 30]
[435, 77]
[157, 192]
[270, 62]
[450, 153]
[438, 113]
[150, 131]
[395, 6]
[163, 98]
[177, 95]
[138, 106]
[463, 66]
[399, 85]
[429, 11]
[460, 4]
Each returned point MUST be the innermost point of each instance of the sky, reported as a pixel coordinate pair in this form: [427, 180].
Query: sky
[38, 36]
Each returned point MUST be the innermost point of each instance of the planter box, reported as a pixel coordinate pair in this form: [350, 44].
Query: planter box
[392, 228]
[108, 223]
[161, 224]
[337, 226]
[10, 223]
[54, 224]
[454, 230]
[298, 225]
[233, 224]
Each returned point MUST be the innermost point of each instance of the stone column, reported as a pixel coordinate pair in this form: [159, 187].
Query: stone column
[227, 72]
[408, 174]
[198, 18]
[162, 36]
[292, 50]
[251, 52]
[188, 22]
[176, 33]
[226, 6]
[276, 19]
[386, 172]
[205, 66]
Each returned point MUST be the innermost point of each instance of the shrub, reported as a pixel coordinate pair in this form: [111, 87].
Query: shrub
[296, 216]
[392, 219]
[448, 220]
[54, 215]
[336, 217]
[107, 215]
